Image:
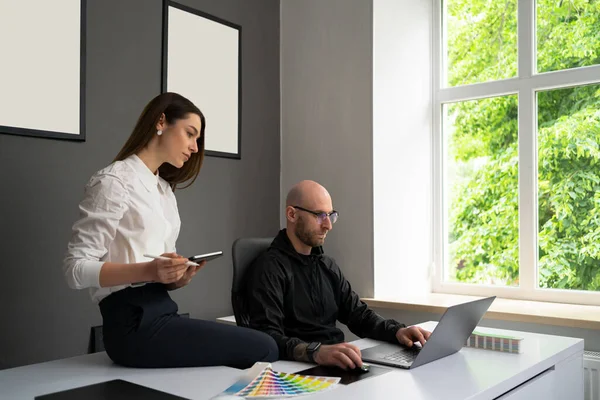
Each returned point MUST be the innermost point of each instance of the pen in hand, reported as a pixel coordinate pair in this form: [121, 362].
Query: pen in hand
[189, 263]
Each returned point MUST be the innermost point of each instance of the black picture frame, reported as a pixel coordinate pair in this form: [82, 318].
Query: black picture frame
[164, 71]
[80, 137]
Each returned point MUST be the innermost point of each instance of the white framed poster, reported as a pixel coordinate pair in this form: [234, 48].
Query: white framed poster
[202, 62]
[42, 73]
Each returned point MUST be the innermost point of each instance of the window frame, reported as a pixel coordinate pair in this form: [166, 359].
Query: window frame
[525, 85]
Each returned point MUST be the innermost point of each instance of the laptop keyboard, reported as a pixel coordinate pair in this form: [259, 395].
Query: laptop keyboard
[406, 355]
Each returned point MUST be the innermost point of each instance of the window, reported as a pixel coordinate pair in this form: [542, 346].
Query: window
[517, 149]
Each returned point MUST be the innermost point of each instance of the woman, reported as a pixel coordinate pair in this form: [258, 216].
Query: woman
[129, 209]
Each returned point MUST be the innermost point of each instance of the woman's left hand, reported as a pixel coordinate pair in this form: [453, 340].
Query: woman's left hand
[187, 276]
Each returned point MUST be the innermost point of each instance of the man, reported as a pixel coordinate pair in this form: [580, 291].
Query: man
[296, 293]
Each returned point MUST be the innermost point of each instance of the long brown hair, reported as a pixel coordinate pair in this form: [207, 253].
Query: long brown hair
[175, 107]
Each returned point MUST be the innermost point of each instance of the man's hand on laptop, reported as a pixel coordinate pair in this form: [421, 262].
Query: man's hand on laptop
[343, 355]
[409, 335]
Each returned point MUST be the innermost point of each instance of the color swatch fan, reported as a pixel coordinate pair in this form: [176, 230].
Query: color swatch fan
[491, 341]
[261, 381]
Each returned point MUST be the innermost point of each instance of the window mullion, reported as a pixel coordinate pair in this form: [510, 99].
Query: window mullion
[526, 38]
[527, 149]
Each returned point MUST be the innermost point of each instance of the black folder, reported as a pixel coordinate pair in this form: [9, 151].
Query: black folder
[117, 389]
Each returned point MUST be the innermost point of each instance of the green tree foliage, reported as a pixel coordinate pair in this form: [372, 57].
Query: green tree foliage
[483, 146]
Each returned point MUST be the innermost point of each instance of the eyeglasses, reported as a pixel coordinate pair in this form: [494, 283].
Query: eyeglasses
[321, 216]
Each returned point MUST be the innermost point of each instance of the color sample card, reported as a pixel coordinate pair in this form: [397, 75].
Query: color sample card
[261, 381]
[488, 341]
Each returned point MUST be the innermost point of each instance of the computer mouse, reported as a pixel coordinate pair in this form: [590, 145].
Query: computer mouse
[363, 369]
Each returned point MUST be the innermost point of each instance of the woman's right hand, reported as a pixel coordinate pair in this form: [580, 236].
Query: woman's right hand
[168, 271]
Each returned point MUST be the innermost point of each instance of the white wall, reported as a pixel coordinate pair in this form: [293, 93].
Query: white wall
[402, 152]
[326, 116]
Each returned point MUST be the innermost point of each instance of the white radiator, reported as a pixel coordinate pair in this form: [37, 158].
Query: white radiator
[591, 375]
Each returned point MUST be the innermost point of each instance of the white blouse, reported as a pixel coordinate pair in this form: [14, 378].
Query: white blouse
[126, 211]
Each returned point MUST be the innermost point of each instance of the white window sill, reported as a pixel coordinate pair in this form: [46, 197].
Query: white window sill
[570, 315]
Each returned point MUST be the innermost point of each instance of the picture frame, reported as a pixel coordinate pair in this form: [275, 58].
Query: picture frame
[201, 60]
[43, 80]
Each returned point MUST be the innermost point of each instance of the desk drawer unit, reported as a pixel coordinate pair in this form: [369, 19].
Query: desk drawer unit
[561, 381]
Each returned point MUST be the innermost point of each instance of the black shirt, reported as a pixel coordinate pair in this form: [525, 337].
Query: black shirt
[297, 298]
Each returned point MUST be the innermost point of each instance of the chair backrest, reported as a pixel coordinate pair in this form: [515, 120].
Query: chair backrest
[244, 252]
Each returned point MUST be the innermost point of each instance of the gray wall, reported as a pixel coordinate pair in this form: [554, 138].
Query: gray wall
[42, 180]
[326, 119]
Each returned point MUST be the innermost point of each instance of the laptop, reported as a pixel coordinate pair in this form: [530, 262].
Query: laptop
[448, 337]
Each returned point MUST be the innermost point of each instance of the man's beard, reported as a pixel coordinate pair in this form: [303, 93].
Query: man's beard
[309, 238]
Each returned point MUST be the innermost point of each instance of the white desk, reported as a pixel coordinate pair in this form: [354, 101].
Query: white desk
[477, 374]
[37, 379]
[551, 367]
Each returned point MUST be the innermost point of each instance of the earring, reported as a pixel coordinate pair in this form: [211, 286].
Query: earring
[159, 132]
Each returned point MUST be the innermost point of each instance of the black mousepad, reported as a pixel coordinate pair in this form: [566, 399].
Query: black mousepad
[117, 389]
[347, 376]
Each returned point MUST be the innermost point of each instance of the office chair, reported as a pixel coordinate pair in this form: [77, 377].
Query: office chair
[244, 252]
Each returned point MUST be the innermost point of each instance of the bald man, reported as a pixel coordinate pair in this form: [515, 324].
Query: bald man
[296, 293]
